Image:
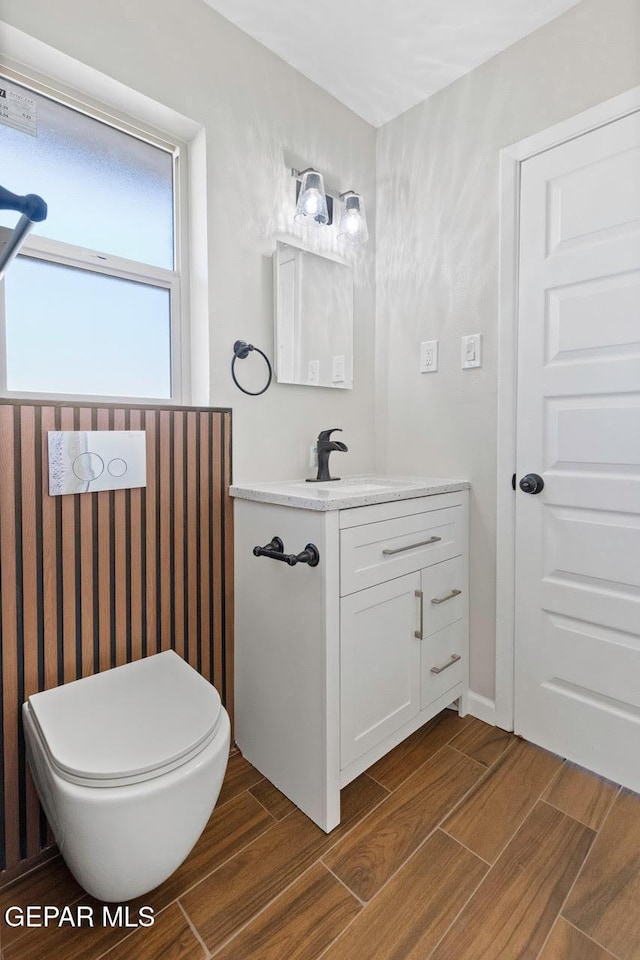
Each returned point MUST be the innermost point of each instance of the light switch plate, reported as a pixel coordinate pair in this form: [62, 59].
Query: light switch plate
[81, 461]
[429, 356]
[338, 369]
[471, 354]
[313, 372]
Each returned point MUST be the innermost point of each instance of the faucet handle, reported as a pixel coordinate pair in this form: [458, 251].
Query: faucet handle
[326, 434]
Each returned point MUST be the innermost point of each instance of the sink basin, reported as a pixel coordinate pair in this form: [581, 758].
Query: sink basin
[355, 485]
[352, 487]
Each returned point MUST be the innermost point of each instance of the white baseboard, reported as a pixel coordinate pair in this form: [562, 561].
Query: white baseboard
[482, 708]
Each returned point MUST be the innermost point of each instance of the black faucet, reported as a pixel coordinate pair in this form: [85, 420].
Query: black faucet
[325, 446]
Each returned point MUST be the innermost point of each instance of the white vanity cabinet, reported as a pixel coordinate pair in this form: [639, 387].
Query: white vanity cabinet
[403, 619]
[336, 664]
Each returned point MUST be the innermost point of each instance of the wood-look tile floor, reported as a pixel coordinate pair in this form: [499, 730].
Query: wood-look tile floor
[464, 843]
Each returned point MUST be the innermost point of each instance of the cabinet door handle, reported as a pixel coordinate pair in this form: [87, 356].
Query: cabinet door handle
[420, 595]
[454, 659]
[449, 596]
[388, 551]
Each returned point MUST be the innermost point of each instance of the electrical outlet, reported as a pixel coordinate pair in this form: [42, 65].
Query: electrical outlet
[429, 356]
[471, 355]
[338, 369]
[313, 372]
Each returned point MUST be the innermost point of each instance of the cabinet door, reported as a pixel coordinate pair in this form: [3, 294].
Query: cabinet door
[379, 662]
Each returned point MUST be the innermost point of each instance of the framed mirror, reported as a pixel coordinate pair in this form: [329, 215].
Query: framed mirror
[313, 318]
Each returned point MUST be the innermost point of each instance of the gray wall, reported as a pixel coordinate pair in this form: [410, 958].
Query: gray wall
[437, 258]
[256, 111]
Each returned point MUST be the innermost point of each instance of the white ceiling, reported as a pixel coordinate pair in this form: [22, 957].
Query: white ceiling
[381, 57]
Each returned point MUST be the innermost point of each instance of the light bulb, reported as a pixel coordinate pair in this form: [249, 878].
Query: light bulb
[353, 222]
[311, 203]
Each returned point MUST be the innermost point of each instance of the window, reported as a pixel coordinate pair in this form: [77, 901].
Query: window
[91, 307]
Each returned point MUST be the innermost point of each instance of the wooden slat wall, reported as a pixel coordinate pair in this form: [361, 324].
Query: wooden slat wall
[91, 581]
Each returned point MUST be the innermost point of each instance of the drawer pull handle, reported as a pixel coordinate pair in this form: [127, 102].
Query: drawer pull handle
[454, 659]
[449, 596]
[418, 633]
[388, 551]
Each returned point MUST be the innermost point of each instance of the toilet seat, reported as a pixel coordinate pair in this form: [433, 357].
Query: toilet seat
[138, 722]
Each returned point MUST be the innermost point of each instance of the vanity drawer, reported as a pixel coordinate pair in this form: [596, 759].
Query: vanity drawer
[439, 653]
[381, 551]
[444, 590]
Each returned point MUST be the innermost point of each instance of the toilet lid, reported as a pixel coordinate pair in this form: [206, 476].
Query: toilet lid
[127, 721]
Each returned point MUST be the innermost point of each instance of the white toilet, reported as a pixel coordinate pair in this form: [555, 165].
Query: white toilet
[128, 765]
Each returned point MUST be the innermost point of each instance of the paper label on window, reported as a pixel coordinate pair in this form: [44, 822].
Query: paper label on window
[18, 111]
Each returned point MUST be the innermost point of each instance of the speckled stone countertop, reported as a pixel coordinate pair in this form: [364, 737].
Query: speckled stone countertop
[345, 494]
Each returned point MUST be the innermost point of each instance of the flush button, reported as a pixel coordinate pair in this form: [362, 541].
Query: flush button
[88, 466]
[117, 467]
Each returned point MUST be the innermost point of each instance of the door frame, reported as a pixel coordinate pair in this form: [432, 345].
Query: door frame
[511, 160]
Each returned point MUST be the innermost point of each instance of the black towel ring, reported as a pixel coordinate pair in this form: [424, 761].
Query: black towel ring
[241, 351]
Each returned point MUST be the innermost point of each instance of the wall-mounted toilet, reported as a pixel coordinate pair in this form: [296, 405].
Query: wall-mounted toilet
[128, 765]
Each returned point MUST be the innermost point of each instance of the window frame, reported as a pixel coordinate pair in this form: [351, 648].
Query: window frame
[96, 261]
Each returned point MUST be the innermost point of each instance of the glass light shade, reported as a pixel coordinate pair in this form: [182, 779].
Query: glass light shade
[353, 222]
[312, 202]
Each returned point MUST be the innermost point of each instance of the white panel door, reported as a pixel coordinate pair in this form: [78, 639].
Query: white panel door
[379, 663]
[577, 654]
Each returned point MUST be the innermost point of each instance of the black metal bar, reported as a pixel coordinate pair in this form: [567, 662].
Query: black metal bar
[274, 550]
[33, 210]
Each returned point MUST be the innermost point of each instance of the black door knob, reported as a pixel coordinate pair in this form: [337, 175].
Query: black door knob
[532, 483]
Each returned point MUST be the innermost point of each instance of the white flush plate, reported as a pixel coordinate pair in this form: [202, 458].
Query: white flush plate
[83, 461]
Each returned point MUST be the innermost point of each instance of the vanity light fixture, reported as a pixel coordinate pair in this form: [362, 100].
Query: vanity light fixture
[312, 208]
[353, 222]
[315, 206]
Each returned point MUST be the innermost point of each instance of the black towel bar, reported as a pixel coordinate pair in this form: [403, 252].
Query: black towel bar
[275, 551]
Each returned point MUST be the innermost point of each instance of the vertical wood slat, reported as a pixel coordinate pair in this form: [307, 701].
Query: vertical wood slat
[191, 540]
[164, 495]
[120, 587]
[50, 552]
[152, 637]
[31, 613]
[68, 571]
[216, 552]
[227, 566]
[178, 572]
[136, 547]
[93, 580]
[206, 638]
[8, 586]
[104, 564]
[86, 561]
